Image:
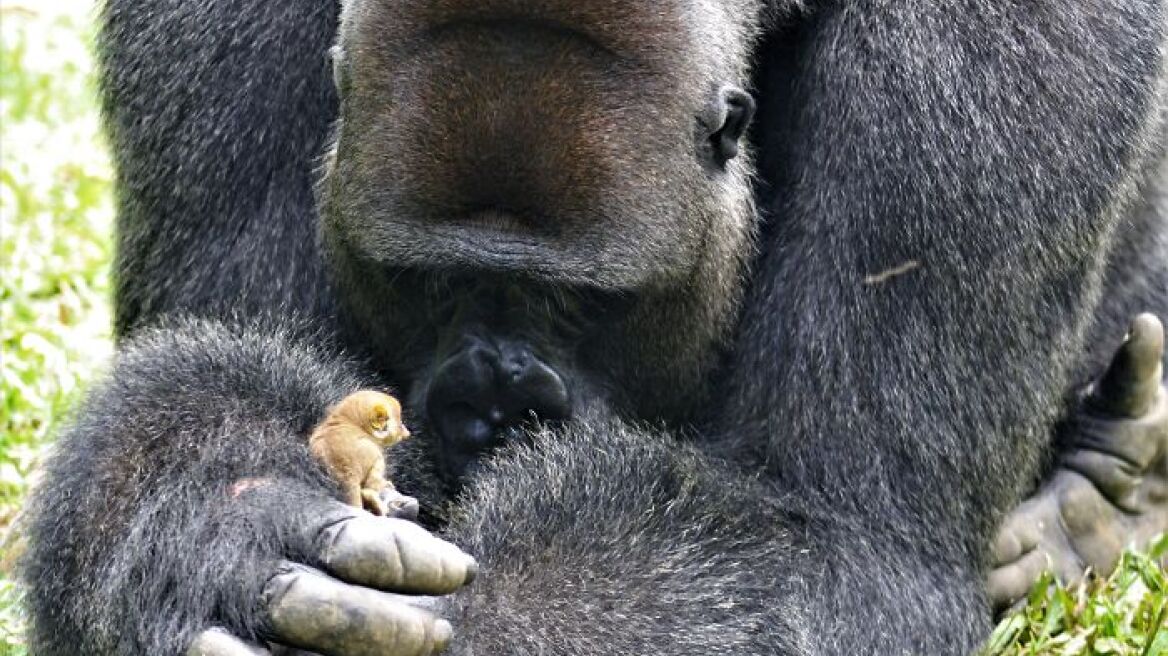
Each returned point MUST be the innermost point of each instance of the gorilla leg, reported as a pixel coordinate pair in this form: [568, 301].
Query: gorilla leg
[1110, 490]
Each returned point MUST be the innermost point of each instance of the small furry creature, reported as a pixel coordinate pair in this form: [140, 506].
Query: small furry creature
[350, 441]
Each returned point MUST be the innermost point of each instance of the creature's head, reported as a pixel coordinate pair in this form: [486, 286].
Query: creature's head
[377, 414]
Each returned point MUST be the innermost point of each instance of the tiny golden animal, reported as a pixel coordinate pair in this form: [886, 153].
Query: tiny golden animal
[351, 443]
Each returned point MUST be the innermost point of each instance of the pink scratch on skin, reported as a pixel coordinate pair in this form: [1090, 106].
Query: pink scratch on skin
[244, 484]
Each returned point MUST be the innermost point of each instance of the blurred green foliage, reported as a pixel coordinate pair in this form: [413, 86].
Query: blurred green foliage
[55, 224]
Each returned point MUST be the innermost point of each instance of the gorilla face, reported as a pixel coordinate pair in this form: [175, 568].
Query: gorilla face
[587, 143]
[542, 202]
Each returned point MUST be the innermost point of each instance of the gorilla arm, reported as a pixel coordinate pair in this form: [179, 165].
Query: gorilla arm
[606, 538]
[932, 261]
[184, 497]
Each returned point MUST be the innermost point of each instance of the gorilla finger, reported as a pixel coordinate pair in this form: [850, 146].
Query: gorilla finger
[1006, 548]
[1020, 532]
[1117, 476]
[309, 610]
[394, 555]
[1132, 381]
[1124, 448]
[1008, 584]
[217, 642]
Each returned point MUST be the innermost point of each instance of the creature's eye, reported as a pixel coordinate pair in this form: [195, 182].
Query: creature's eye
[379, 418]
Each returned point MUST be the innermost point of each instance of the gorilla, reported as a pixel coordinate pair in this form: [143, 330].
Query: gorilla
[727, 326]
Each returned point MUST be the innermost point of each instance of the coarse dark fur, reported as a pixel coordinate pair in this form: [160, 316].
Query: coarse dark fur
[957, 200]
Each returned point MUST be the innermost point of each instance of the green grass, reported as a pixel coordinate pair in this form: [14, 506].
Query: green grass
[54, 325]
[1125, 614]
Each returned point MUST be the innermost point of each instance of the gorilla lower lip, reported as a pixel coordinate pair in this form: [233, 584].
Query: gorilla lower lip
[500, 220]
[519, 29]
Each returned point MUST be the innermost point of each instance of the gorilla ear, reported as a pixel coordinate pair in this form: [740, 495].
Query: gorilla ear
[723, 122]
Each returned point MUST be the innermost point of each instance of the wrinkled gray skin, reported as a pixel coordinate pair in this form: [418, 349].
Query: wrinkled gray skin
[1110, 490]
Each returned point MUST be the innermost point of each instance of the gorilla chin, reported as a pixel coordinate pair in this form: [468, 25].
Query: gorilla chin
[540, 235]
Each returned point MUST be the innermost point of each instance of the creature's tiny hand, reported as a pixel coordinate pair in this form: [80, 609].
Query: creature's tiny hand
[399, 505]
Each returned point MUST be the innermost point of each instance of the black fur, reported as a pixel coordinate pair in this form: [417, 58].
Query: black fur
[959, 200]
[216, 113]
[189, 410]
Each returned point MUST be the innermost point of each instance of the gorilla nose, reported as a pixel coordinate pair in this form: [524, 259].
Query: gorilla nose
[483, 392]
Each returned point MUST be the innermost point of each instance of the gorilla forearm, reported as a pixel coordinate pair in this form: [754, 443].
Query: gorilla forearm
[138, 538]
[611, 539]
[606, 539]
[918, 305]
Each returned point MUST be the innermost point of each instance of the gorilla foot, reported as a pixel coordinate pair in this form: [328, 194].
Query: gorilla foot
[1110, 490]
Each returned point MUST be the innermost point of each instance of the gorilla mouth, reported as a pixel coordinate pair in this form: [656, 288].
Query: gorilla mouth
[493, 243]
[503, 221]
[520, 28]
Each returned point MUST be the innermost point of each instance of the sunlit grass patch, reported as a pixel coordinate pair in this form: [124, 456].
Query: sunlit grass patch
[1125, 614]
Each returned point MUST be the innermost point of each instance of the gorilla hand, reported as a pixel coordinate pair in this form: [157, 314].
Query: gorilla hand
[349, 608]
[1110, 489]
